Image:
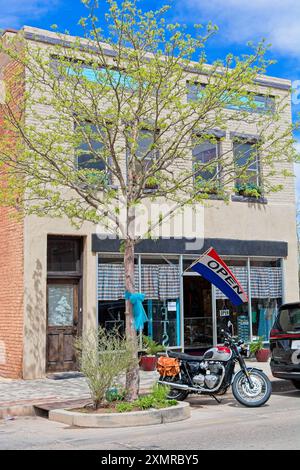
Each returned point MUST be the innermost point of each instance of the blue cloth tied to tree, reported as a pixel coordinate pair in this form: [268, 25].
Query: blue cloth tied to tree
[139, 313]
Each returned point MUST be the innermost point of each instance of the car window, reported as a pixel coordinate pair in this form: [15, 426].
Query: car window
[289, 319]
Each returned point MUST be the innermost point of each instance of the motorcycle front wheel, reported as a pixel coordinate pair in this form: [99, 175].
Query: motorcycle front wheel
[256, 396]
[175, 393]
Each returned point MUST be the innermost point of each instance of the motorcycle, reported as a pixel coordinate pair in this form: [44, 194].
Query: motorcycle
[213, 373]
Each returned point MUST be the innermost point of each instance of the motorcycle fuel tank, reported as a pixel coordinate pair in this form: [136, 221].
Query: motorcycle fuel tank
[218, 353]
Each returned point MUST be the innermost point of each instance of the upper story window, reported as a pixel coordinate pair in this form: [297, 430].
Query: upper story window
[252, 103]
[206, 165]
[194, 90]
[146, 155]
[146, 140]
[110, 77]
[89, 151]
[246, 161]
[90, 158]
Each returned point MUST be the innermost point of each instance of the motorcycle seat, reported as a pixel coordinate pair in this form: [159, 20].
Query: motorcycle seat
[185, 357]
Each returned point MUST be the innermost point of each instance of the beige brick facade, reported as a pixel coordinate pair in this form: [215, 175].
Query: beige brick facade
[23, 271]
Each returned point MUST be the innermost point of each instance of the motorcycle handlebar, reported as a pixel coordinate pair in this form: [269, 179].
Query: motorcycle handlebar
[230, 339]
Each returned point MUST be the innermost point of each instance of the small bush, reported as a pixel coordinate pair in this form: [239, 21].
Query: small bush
[124, 407]
[257, 345]
[103, 357]
[157, 399]
[145, 402]
[152, 347]
[160, 392]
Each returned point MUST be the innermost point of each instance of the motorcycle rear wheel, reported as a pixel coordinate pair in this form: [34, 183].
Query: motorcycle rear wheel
[251, 397]
[175, 393]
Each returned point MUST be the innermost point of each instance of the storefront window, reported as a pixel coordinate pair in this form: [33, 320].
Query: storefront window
[266, 293]
[198, 322]
[160, 282]
[111, 289]
[231, 318]
[160, 279]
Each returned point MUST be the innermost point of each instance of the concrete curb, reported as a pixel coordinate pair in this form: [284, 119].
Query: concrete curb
[16, 410]
[179, 412]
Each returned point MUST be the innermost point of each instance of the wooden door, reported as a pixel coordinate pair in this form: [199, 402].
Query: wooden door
[63, 323]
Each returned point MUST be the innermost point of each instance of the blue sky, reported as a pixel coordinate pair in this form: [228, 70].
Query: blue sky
[239, 21]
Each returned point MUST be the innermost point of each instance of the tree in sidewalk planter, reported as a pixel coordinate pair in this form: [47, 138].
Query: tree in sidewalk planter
[103, 357]
[105, 127]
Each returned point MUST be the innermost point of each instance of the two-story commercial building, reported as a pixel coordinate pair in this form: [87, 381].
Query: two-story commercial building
[56, 281]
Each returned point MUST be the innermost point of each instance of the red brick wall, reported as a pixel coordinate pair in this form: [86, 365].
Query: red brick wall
[11, 294]
[11, 257]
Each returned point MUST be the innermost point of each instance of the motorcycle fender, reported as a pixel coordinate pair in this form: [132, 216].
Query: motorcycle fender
[249, 369]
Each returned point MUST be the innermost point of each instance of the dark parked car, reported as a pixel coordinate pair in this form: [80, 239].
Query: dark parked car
[285, 344]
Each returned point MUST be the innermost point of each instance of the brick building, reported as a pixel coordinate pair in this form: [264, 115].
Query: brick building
[55, 281]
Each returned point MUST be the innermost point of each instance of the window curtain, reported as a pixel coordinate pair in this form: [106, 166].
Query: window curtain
[240, 272]
[266, 282]
[111, 281]
[159, 282]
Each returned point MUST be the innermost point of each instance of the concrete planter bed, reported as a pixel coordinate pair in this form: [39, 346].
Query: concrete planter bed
[152, 416]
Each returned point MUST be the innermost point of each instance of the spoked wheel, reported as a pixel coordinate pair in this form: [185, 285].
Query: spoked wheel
[175, 393]
[258, 394]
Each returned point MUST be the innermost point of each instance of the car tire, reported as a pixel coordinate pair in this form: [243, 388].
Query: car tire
[296, 384]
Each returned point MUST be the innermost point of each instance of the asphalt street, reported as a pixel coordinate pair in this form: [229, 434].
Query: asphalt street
[212, 426]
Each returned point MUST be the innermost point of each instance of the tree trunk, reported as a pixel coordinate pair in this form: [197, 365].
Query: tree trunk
[132, 375]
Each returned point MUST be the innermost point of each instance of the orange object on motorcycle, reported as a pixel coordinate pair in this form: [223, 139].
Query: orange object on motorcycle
[168, 367]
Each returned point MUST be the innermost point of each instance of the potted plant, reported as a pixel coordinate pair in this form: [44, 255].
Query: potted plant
[248, 190]
[257, 348]
[150, 348]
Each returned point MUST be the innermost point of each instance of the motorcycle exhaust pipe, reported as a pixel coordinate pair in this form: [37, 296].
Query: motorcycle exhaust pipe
[180, 386]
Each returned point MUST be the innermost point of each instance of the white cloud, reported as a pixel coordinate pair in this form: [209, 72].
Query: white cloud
[15, 12]
[276, 20]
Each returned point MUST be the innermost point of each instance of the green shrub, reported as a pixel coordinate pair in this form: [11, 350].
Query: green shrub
[103, 357]
[160, 392]
[124, 407]
[257, 345]
[145, 402]
[151, 347]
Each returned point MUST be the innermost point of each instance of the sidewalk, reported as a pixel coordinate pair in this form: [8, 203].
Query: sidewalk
[16, 395]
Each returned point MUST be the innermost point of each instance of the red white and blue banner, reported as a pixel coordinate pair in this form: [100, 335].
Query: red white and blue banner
[213, 268]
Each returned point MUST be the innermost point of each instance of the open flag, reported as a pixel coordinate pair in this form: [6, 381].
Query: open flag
[213, 268]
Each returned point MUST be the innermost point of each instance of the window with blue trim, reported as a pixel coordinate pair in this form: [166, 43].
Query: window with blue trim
[252, 103]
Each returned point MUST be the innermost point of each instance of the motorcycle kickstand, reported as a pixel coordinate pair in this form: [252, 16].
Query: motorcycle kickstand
[217, 399]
